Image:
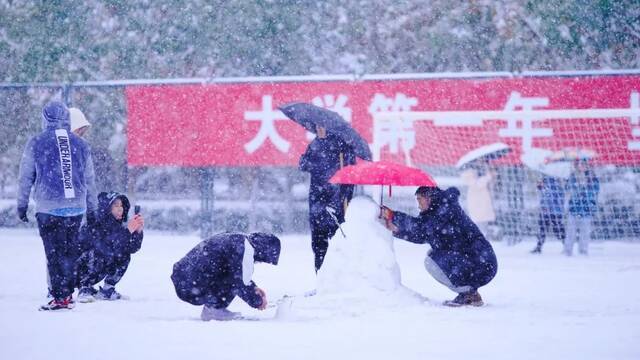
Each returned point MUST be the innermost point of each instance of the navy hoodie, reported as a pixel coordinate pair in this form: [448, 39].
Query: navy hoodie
[457, 245]
[108, 236]
[222, 266]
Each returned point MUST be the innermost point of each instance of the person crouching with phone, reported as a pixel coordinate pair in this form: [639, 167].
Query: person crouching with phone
[106, 247]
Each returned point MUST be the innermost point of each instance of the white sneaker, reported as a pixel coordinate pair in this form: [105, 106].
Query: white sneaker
[85, 295]
[209, 313]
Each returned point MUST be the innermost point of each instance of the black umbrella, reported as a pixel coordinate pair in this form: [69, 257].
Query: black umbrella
[309, 115]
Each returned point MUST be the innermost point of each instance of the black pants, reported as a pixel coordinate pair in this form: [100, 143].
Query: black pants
[320, 242]
[60, 239]
[93, 268]
[195, 292]
[550, 222]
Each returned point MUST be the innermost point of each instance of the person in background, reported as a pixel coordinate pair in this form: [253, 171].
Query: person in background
[106, 247]
[460, 257]
[325, 155]
[220, 268]
[582, 190]
[479, 202]
[102, 160]
[551, 215]
[58, 165]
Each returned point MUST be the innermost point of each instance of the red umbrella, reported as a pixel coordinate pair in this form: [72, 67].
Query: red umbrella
[382, 173]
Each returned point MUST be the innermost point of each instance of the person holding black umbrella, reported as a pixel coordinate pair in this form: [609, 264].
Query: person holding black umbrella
[325, 155]
[336, 145]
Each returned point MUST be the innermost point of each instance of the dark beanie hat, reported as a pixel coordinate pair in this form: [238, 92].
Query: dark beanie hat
[55, 112]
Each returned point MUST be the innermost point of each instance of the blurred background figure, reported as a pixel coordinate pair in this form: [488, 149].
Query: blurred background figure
[582, 190]
[551, 215]
[479, 201]
[103, 162]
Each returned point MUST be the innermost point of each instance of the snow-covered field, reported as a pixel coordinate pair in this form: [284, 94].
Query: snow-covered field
[539, 307]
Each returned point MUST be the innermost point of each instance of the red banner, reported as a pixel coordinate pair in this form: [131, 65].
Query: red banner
[239, 124]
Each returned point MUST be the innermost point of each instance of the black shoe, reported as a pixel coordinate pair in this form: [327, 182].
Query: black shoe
[537, 250]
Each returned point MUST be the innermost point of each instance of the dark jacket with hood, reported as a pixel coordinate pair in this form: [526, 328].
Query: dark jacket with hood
[59, 167]
[322, 160]
[457, 245]
[109, 237]
[221, 268]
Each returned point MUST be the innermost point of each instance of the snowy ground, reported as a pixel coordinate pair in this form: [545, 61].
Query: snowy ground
[539, 307]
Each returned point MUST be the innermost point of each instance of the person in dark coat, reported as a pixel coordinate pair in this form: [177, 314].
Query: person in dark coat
[220, 268]
[107, 246]
[325, 155]
[58, 165]
[551, 216]
[460, 256]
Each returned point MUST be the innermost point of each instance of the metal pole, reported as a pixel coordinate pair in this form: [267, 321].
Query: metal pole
[67, 94]
[207, 176]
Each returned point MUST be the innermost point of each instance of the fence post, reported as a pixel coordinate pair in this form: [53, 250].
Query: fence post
[67, 94]
[207, 196]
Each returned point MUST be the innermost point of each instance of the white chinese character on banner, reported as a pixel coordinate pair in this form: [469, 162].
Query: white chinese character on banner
[333, 103]
[394, 133]
[526, 131]
[267, 117]
[635, 122]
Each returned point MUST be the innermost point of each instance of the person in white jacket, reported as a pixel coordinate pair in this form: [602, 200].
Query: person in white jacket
[479, 201]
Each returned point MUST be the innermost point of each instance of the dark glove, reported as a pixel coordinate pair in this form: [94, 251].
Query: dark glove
[91, 218]
[22, 214]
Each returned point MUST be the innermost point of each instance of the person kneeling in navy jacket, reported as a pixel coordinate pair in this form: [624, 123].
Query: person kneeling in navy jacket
[220, 268]
[460, 257]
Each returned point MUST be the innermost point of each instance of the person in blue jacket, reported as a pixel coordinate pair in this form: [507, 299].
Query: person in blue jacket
[325, 155]
[220, 268]
[107, 246]
[582, 189]
[460, 256]
[551, 215]
[57, 164]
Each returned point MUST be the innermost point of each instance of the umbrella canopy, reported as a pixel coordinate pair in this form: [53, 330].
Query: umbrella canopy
[381, 173]
[484, 153]
[310, 116]
[538, 160]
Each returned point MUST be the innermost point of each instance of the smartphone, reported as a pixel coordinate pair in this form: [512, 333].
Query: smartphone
[136, 209]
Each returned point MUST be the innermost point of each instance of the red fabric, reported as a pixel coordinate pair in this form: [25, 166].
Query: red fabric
[215, 124]
[381, 173]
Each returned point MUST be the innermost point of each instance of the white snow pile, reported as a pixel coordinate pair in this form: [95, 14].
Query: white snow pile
[360, 271]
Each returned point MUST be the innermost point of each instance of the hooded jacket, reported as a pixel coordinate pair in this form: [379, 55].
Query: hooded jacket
[457, 245]
[222, 266]
[58, 165]
[108, 236]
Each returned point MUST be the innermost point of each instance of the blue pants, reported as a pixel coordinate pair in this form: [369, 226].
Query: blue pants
[60, 239]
